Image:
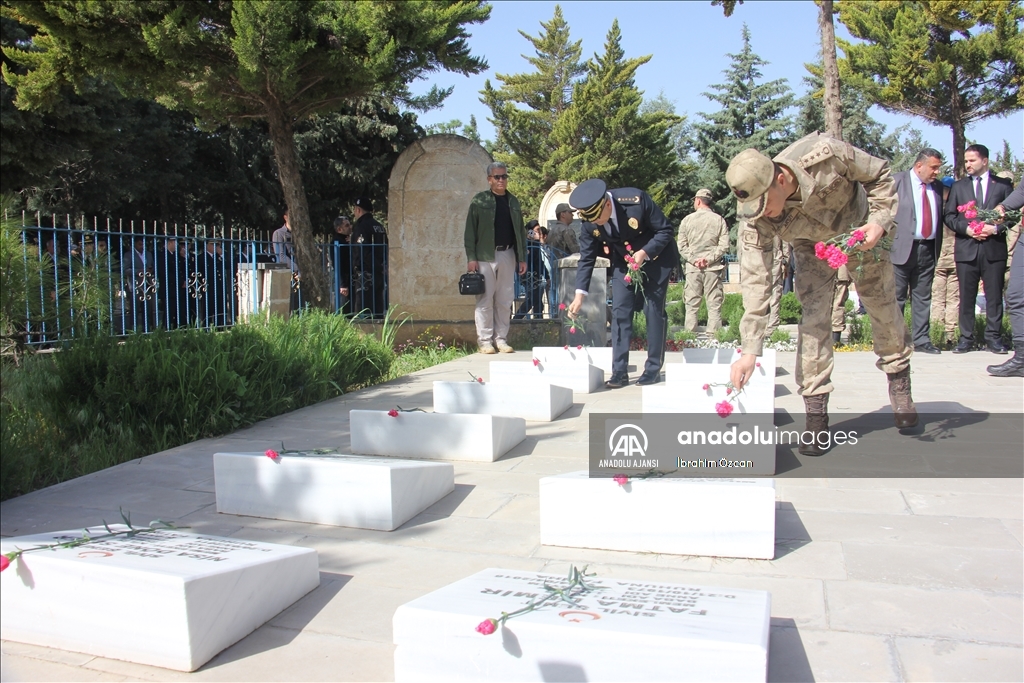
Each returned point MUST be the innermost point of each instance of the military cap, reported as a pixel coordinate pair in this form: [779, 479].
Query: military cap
[562, 208]
[749, 176]
[704, 193]
[588, 198]
[365, 203]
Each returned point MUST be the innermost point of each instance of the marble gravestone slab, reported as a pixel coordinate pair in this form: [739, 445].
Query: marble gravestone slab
[164, 598]
[683, 390]
[719, 357]
[621, 631]
[340, 490]
[435, 436]
[582, 378]
[709, 517]
[531, 400]
[601, 356]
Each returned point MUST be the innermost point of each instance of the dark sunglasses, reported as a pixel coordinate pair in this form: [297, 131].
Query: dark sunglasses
[503, 176]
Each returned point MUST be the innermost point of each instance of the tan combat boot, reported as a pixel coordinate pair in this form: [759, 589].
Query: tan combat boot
[817, 422]
[903, 411]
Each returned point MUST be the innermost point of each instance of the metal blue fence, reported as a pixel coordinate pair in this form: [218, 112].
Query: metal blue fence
[140, 276]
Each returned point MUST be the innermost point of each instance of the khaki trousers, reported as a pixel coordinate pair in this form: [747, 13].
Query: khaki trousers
[815, 287]
[946, 301]
[700, 285]
[494, 307]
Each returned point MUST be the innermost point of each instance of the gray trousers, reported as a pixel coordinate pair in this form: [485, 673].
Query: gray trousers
[1015, 301]
[915, 277]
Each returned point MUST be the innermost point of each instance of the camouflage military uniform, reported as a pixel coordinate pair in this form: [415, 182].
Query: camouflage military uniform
[840, 188]
[781, 251]
[946, 289]
[703, 235]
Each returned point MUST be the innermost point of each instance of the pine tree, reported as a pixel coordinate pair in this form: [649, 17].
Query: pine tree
[526, 106]
[950, 62]
[753, 114]
[236, 62]
[604, 134]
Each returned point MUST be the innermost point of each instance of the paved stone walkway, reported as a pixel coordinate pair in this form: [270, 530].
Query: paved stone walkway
[874, 579]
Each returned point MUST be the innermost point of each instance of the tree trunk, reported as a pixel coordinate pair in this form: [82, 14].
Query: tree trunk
[832, 103]
[958, 126]
[315, 289]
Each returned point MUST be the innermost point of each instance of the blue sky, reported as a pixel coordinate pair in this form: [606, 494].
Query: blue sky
[689, 42]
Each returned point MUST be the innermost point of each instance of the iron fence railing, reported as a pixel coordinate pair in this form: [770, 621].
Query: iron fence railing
[139, 277]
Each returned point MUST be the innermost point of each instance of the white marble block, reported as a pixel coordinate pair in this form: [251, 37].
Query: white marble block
[531, 400]
[582, 378]
[435, 436]
[710, 517]
[340, 490]
[165, 598]
[619, 631]
[601, 356]
[683, 390]
[717, 357]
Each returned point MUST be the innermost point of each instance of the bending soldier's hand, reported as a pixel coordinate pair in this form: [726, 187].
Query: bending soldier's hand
[872, 233]
[741, 370]
[576, 305]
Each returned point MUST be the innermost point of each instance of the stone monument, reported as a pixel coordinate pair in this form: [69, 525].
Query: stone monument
[430, 189]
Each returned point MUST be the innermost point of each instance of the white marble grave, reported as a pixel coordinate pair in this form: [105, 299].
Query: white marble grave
[340, 490]
[716, 357]
[601, 356]
[620, 631]
[435, 436]
[533, 400]
[165, 598]
[709, 517]
[683, 390]
[582, 378]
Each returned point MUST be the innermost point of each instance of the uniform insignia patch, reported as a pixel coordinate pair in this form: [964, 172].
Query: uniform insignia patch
[597, 233]
[634, 223]
[359, 241]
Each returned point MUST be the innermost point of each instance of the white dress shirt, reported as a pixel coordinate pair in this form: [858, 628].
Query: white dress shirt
[984, 188]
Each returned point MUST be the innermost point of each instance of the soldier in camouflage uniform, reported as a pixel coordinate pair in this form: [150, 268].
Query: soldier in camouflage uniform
[815, 189]
[780, 252]
[703, 241]
[946, 290]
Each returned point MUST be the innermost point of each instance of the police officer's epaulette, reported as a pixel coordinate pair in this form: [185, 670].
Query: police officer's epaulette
[821, 151]
[627, 195]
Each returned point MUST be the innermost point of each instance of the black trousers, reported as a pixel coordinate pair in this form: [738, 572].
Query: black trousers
[915, 278]
[992, 273]
[652, 299]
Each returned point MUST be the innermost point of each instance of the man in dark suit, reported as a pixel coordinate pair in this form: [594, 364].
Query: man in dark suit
[979, 255]
[1014, 299]
[620, 223]
[918, 241]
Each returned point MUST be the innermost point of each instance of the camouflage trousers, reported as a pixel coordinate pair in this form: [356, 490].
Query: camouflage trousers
[815, 287]
[703, 284]
[946, 301]
[840, 293]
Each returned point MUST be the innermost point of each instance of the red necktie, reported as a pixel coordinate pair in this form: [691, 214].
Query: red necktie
[926, 213]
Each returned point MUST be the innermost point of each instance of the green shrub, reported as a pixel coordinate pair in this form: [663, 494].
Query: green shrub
[676, 313]
[860, 330]
[780, 336]
[731, 304]
[684, 335]
[100, 401]
[790, 310]
[731, 332]
[639, 326]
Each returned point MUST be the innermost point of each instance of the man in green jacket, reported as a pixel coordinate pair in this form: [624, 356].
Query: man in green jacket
[496, 247]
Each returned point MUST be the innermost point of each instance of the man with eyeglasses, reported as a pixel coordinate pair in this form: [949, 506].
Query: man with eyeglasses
[626, 226]
[495, 247]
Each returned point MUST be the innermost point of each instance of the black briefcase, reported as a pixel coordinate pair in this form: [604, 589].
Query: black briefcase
[471, 283]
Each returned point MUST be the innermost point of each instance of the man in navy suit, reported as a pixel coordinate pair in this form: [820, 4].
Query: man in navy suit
[619, 223]
[918, 242]
[979, 256]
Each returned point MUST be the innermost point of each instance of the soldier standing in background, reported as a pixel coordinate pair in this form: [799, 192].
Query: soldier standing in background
[840, 293]
[781, 252]
[814, 190]
[703, 241]
[945, 286]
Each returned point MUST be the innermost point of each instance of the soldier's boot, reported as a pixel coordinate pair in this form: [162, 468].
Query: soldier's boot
[903, 410]
[837, 339]
[817, 423]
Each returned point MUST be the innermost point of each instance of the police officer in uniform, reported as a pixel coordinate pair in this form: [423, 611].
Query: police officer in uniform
[815, 189]
[618, 223]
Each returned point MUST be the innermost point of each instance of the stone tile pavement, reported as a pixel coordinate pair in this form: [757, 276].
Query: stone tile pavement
[874, 579]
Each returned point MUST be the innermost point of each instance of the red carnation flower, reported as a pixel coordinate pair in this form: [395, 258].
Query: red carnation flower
[487, 627]
[536, 362]
[724, 409]
[4, 563]
[272, 454]
[706, 387]
[620, 479]
[561, 307]
[392, 413]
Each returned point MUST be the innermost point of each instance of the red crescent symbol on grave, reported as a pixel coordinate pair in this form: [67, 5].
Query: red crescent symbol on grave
[577, 620]
[101, 553]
